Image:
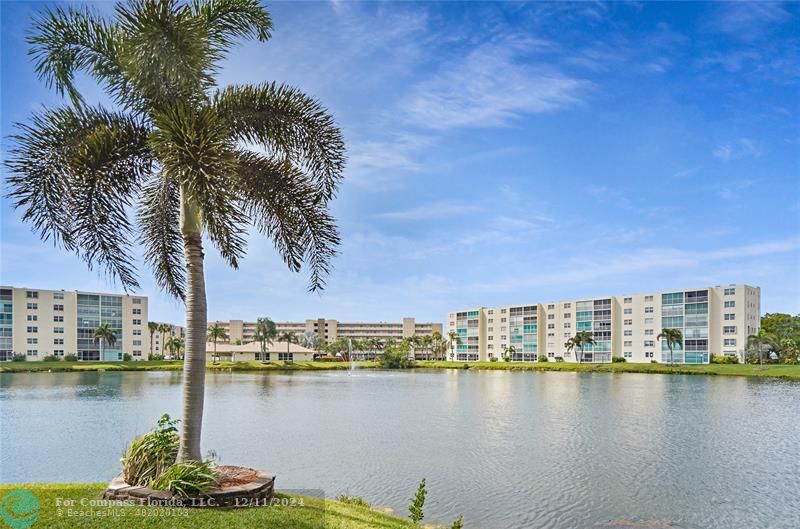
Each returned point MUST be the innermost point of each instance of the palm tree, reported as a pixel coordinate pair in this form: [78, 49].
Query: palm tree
[309, 340]
[289, 337]
[266, 332]
[508, 352]
[153, 328]
[761, 342]
[570, 345]
[454, 340]
[673, 337]
[174, 344]
[105, 335]
[164, 328]
[216, 332]
[173, 148]
[438, 345]
[580, 340]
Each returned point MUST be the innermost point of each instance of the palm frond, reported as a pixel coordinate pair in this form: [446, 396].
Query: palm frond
[159, 220]
[193, 148]
[227, 20]
[290, 125]
[284, 205]
[66, 41]
[75, 173]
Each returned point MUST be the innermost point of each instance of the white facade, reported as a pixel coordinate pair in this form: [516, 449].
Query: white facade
[39, 323]
[713, 321]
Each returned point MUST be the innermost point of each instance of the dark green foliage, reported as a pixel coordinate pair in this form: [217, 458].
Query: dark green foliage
[542, 358]
[70, 358]
[19, 358]
[150, 455]
[493, 359]
[126, 357]
[352, 500]
[395, 356]
[51, 358]
[415, 508]
[458, 523]
[618, 359]
[559, 359]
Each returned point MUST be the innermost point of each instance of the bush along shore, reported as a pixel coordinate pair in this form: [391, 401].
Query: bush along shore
[750, 370]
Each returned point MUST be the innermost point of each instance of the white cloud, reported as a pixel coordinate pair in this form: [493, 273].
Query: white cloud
[491, 86]
[748, 20]
[738, 149]
[434, 210]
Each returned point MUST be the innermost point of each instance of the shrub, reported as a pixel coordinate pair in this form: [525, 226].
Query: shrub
[352, 500]
[458, 523]
[721, 359]
[653, 361]
[149, 456]
[126, 357]
[417, 503]
[70, 358]
[19, 358]
[542, 358]
[559, 359]
[466, 366]
[506, 358]
[329, 359]
[493, 359]
[52, 358]
[396, 357]
[187, 478]
[155, 357]
[618, 359]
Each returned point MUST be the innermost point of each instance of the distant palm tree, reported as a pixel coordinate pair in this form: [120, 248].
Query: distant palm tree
[153, 328]
[309, 340]
[509, 351]
[266, 332]
[579, 341]
[216, 332]
[570, 345]
[174, 150]
[760, 342]
[673, 337]
[454, 339]
[164, 328]
[289, 337]
[174, 344]
[105, 335]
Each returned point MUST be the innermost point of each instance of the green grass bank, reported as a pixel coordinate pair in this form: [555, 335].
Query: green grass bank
[68, 505]
[747, 370]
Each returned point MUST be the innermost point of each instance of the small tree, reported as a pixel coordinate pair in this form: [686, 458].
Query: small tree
[104, 334]
[454, 340]
[418, 503]
[289, 337]
[508, 351]
[266, 332]
[153, 328]
[761, 342]
[673, 337]
[216, 332]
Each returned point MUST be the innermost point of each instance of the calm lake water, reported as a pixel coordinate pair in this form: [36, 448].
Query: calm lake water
[508, 450]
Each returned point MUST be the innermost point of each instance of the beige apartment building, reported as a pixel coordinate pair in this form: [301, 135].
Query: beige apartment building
[36, 323]
[330, 330]
[714, 321]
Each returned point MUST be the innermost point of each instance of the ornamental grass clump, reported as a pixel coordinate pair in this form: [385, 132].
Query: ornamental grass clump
[149, 456]
[187, 478]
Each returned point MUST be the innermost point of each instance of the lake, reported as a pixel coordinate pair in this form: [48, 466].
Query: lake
[506, 449]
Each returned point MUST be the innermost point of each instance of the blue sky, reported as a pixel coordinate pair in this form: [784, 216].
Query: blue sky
[504, 153]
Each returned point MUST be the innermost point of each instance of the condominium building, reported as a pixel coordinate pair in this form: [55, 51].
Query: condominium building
[713, 321]
[38, 323]
[330, 330]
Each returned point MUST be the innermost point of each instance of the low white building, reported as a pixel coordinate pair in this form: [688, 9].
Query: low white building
[251, 352]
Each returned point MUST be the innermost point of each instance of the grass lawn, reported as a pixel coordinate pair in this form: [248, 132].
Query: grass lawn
[771, 370]
[748, 370]
[314, 513]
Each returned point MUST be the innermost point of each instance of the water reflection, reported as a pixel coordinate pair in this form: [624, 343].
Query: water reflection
[506, 449]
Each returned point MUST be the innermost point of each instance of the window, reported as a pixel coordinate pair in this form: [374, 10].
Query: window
[567, 315]
[567, 335]
[568, 325]
[137, 352]
[137, 342]
[648, 321]
[490, 320]
[628, 300]
[628, 322]
[58, 319]
[32, 294]
[551, 325]
[648, 298]
[729, 329]
[33, 352]
[730, 291]
[137, 322]
[648, 332]
[58, 295]
[628, 343]
[567, 305]
[137, 332]
[503, 337]
[33, 341]
[648, 310]
[730, 342]
[551, 335]
[58, 341]
[136, 301]
[730, 304]
[551, 316]
[490, 311]
[59, 352]
[32, 317]
[502, 311]
[137, 311]
[286, 357]
[33, 306]
[628, 333]
[628, 311]
[730, 316]
[502, 328]
[490, 338]
[490, 329]
[551, 307]
[33, 329]
[627, 354]
[649, 343]
[58, 330]
[648, 354]
[58, 307]
[502, 320]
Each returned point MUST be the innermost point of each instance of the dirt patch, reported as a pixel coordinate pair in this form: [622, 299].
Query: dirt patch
[233, 476]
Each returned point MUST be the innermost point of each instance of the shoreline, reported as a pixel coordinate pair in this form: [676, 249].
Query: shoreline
[782, 371]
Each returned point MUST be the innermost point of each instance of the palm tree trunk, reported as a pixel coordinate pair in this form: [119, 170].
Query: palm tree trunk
[194, 365]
